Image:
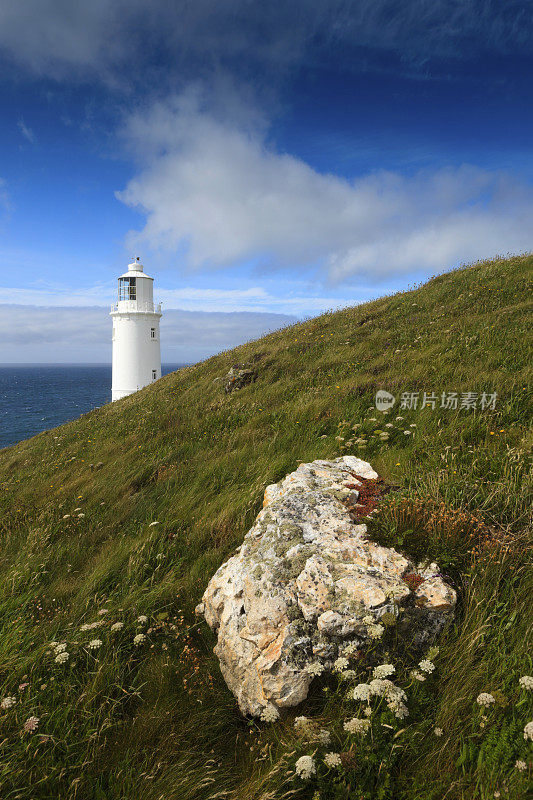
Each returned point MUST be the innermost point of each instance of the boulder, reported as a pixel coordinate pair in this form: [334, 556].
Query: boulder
[307, 583]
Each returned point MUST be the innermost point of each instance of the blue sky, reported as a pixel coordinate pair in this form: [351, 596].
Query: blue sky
[267, 161]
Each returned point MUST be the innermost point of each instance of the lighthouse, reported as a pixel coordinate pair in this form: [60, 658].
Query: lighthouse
[136, 345]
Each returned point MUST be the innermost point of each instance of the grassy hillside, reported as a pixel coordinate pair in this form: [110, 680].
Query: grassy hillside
[154, 719]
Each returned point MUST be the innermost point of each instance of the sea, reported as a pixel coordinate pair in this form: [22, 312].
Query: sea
[35, 398]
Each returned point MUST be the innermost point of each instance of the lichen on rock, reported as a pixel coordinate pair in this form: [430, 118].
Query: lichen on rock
[307, 582]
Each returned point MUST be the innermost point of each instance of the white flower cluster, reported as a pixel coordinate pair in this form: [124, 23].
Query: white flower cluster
[301, 723]
[142, 620]
[139, 639]
[94, 644]
[375, 631]
[427, 666]
[340, 664]
[323, 736]
[305, 767]
[117, 626]
[526, 682]
[528, 732]
[332, 760]
[520, 765]
[270, 714]
[7, 703]
[484, 699]
[62, 658]
[348, 675]
[384, 670]
[361, 692]
[90, 626]
[315, 668]
[356, 725]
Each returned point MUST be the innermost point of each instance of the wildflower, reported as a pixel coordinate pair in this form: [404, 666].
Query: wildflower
[350, 649]
[367, 711]
[332, 760]
[139, 639]
[142, 620]
[413, 425]
[399, 418]
[348, 675]
[417, 675]
[484, 699]
[62, 657]
[23, 686]
[427, 666]
[384, 670]
[368, 620]
[362, 692]
[305, 767]
[81, 515]
[94, 644]
[117, 626]
[340, 664]
[270, 714]
[356, 725]
[526, 682]
[389, 425]
[89, 626]
[323, 736]
[375, 631]
[398, 708]
[528, 731]
[301, 722]
[520, 765]
[407, 433]
[7, 703]
[151, 525]
[379, 686]
[438, 731]
[103, 611]
[60, 648]
[31, 724]
[66, 516]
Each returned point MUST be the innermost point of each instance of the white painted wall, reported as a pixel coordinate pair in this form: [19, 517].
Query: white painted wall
[136, 353]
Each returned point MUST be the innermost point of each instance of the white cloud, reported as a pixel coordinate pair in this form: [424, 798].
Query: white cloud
[223, 195]
[27, 132]
[117, 38]
[78, 334]
[252, 299]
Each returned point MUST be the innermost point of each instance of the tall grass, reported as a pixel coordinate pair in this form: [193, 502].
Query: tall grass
[155, 720]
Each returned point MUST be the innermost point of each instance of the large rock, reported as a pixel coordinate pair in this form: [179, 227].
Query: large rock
[306, 583]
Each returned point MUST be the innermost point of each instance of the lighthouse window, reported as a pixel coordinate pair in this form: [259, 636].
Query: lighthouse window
[127, 289]
[152, 333]
[154, 374]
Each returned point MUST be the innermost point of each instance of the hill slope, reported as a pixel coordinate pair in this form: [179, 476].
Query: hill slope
[154, 719]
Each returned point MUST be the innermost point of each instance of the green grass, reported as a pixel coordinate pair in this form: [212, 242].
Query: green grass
[155, 720]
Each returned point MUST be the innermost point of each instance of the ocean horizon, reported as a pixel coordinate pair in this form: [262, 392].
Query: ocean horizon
[37, 397]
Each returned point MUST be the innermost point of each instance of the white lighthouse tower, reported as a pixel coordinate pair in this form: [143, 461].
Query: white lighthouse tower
[136, 345]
